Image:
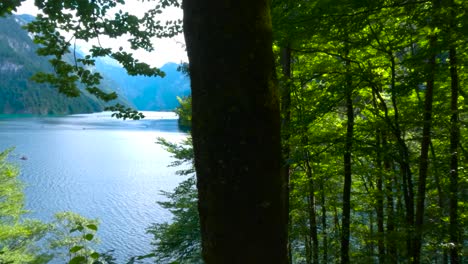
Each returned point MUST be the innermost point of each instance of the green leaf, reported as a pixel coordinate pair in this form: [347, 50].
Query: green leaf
[78, 228]
[94, 255]
[92, 227]
[88, 237]
[76, 249]
[77, 260]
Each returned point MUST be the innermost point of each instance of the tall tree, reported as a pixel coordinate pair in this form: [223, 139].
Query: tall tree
[236, 131]
[454, 140]
[424, 157]
[345, 232]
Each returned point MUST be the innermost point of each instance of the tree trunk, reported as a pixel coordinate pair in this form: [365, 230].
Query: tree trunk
[454, 230]
[236, 131]
[345, 232]
[380, 204]
[391, 256]
[312, 212]
[441, 200]
[324, 222]
[404, 160]
[380, 194]
[285, 89]
[424, 157]
[454, 142]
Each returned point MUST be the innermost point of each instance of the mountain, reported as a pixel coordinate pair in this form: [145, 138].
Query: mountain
[18, 62]
[149, 93]
[18, 94]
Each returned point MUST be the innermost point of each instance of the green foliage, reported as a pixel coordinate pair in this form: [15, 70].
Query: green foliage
[376, 51]
[18, 236]
[184, 111]
[183, 153]
[386, 44]
[73, 238]
[8, 6]
[91, 20]
[69, 238]
[121, 111]
[180, 240]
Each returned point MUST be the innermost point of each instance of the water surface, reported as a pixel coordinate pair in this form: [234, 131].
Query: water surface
[99, 167]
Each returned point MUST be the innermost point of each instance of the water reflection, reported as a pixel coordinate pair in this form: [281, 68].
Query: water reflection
[99, 167]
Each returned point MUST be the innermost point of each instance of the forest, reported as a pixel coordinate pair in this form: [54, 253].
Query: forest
[327, 131]
[374, 129]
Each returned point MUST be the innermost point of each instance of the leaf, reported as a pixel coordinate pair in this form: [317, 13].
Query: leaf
[94, 255]
[92, 227]
[76, 249]
[88, 237]
[77, 260]
[78, 228]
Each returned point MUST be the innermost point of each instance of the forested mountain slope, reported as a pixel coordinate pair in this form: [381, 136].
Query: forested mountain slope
[149, 93]
[18, 62]
[18, 94]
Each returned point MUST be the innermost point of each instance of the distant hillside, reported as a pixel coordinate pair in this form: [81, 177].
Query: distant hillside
[18, 62]
[149, 93]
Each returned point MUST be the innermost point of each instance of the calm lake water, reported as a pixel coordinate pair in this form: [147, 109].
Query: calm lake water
[99, 167]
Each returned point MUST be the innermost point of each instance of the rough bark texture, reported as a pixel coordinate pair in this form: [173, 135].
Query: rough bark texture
[236, 131]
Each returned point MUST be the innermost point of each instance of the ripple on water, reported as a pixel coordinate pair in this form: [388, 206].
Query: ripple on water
[112, 171]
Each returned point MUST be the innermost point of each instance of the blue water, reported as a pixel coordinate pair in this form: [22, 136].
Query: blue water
[99, 167]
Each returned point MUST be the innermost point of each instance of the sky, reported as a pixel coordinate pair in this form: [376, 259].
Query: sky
[166, 50]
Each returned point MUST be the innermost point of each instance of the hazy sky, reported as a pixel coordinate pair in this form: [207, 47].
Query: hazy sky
[166, 50]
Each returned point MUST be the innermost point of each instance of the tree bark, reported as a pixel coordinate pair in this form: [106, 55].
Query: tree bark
[391, 256]
[380, 194]
[285, 88]
[441, 201]
[236, 131]
[424, 156]
[324, 222]
[454, 229]
[454, 142]
[312, 210]
[380, 203]
[345, 229]
[404, 160]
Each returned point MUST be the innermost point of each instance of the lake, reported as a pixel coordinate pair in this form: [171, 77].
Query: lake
[99, 167]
